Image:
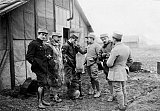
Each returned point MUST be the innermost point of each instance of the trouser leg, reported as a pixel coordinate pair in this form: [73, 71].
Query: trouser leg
[90, 85]
[93, 84]
[79, 82]
[94, 76]
[40, 97]
[40, 93]
[110, 87]
[117, 89]
[96, 82]
[124, 92]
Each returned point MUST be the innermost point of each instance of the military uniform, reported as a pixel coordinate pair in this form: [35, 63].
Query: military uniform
[37, 56]
[69, 52]
[120, 55]
[55, 64]
[104, 55]
[92, 66]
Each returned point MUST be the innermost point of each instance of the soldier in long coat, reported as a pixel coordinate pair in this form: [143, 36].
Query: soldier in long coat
[103, 56]
[55, 65]
[69, 51]
[119, 57]
[37, 57]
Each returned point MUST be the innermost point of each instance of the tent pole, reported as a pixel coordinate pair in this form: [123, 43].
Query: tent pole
[35, 18]
[54, 16]
[12, 69]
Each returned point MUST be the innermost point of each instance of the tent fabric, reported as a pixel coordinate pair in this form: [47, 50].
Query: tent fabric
[59, 2]
[41, 22]
[22, 24]
[50, 26]
[29, 27]
[1, 53]
[3, 32]
[66, 4]
[3, 27]
[2, 44]
[5, 76]
[45, 14]
[20, 72]
[17, 24]
[62, 3]
[29, 7]
[61, 16]
[19, 50]
[41, 8]
[49, 9]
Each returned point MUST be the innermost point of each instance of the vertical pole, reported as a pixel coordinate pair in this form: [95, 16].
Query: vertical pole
[54, 16]
[11, 50]
[70, 13]
[35, 19]
[25, 43]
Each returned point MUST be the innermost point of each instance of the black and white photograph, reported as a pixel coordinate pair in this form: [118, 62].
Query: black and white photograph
[79, 55]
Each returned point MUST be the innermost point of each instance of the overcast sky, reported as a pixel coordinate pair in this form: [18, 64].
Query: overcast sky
[131, 17]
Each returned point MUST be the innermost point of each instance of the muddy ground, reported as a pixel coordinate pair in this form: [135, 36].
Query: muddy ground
[143, 91]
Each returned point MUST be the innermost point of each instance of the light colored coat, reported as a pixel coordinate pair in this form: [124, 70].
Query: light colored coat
[92, 53]
[120, 55]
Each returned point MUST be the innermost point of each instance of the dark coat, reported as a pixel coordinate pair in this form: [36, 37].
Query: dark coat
[105, 51]
[69, 52]
[38, 56]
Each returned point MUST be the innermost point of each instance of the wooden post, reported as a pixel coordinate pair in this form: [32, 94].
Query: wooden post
[35, 18]
[11, 52]
[54, 16]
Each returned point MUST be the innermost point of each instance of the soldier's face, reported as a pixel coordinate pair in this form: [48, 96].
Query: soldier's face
[90, 40]
[74, 41]
[56, 38]
[43, 36]
[104, 40]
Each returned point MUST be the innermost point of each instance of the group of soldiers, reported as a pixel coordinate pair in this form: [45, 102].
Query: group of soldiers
[53, 64]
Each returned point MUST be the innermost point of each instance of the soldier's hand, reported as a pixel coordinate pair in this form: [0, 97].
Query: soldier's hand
[104, 55]
[65, 60]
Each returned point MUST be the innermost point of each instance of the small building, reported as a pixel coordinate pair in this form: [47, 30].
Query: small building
[131, 40]
[19, 21]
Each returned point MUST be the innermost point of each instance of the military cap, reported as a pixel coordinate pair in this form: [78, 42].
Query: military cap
[74, 36]
[117, 35]
[59, 35]
[42, 30]
[56, 34]
[91, 36]
[103, 35]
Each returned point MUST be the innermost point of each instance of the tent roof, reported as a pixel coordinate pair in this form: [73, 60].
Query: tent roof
[8, 5]
[83, 16]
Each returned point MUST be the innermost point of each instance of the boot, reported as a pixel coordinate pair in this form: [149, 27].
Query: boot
[57, 99]
[97, 95]
[45, 103]
[110, 99]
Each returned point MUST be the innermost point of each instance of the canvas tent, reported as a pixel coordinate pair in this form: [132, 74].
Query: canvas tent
[19, 21]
